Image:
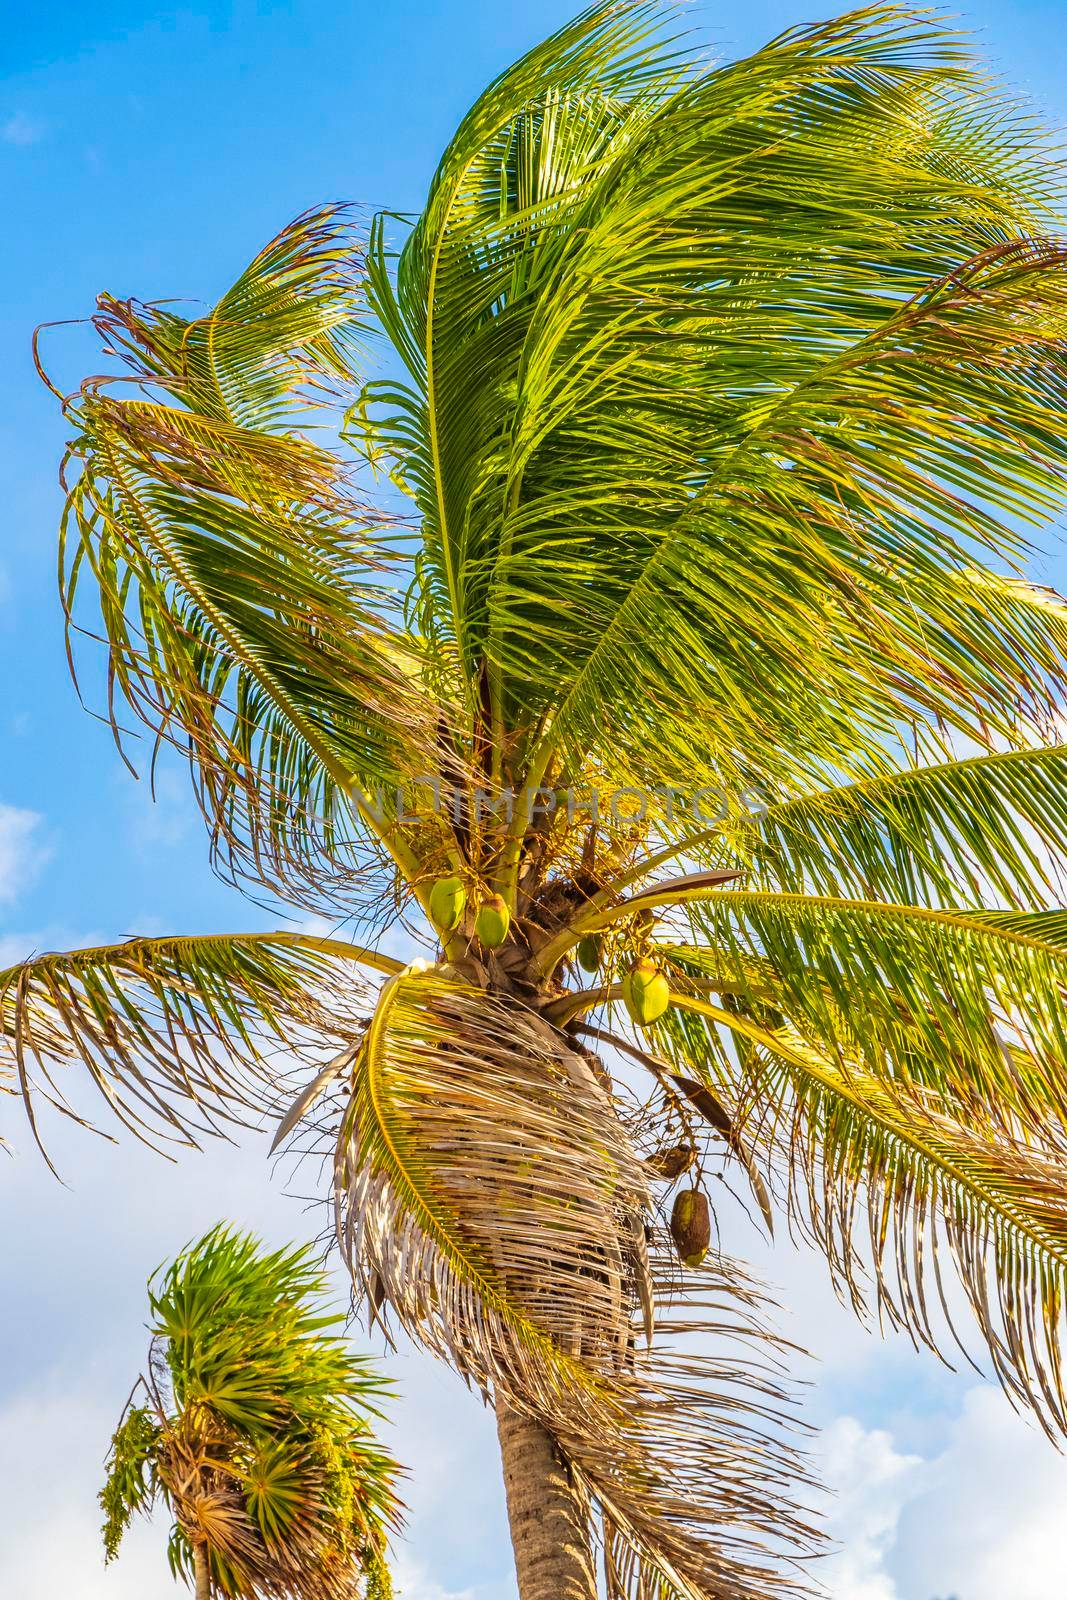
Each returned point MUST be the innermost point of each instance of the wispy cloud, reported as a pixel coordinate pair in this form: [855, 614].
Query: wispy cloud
[414, 1582]
[21, 130]
[871, 1482]
[21, 852]
[989, 1522]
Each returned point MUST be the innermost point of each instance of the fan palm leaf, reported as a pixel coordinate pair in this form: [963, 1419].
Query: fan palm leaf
[255, 1432]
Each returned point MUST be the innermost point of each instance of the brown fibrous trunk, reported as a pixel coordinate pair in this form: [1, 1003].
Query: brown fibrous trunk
[202, 1572]
[548, 1515]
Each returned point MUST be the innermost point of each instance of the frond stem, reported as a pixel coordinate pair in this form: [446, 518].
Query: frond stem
[680, 892]
[129, 949]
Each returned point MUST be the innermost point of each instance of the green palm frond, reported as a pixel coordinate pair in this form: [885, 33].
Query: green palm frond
[960, 832]
[257, 1431]
[238, 577]
[291, 326]
[886, 1178]
[668, 558]
[243, 1332]
[968, 1006]
[465, 287]
[489, 1193]
[902, 1067]
[874, 622]
[179, 1035]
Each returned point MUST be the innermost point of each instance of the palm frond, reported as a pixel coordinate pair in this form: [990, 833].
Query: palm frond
[887, 1178]
[702, 1099]
[959, 833]
[179, 1035]
[487, 1188]
[245, 1332]
[465, 286]
[703, 679]
[967, 1005]
[705, 509]
[238, 579]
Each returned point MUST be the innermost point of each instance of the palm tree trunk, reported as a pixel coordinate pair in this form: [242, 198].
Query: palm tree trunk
[203, 1575]
[549, 1522]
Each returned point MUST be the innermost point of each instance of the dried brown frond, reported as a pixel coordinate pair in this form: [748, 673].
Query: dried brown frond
[488, 1188]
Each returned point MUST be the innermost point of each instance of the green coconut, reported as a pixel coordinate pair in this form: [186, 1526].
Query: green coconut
[448, 897]
[645, 992]
[493, 922]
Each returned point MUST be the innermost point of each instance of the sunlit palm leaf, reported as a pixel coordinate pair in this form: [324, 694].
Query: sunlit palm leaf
[953, 1002]
[885, 1177]
[179, 1035]
[469, 259]
[962, 832]
[871, 609]
[238, 582]
[711, 517]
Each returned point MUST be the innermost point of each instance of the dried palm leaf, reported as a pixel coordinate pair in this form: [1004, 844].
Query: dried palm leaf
[485, 1179]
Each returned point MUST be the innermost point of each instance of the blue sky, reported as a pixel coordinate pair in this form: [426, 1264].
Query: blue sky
[150, 151]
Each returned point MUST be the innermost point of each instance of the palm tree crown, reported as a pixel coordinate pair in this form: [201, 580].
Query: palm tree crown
[254, 1432]
[715, 399]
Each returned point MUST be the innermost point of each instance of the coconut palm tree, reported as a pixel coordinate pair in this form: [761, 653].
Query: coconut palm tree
[704, 409]
[253, 1427]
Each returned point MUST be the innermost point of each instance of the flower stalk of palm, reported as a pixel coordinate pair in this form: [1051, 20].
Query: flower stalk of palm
[253, 1428]
[718, 397]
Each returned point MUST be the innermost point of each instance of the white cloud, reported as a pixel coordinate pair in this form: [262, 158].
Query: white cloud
[52, 1542]
[21, 130]
[871, 1482]
[989, 1523]
[940, 1490]
[20, 853]
[980, 1520]
[412, 1582]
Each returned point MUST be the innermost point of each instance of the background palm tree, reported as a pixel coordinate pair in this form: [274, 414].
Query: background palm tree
[718, 397]
[254, 1428]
